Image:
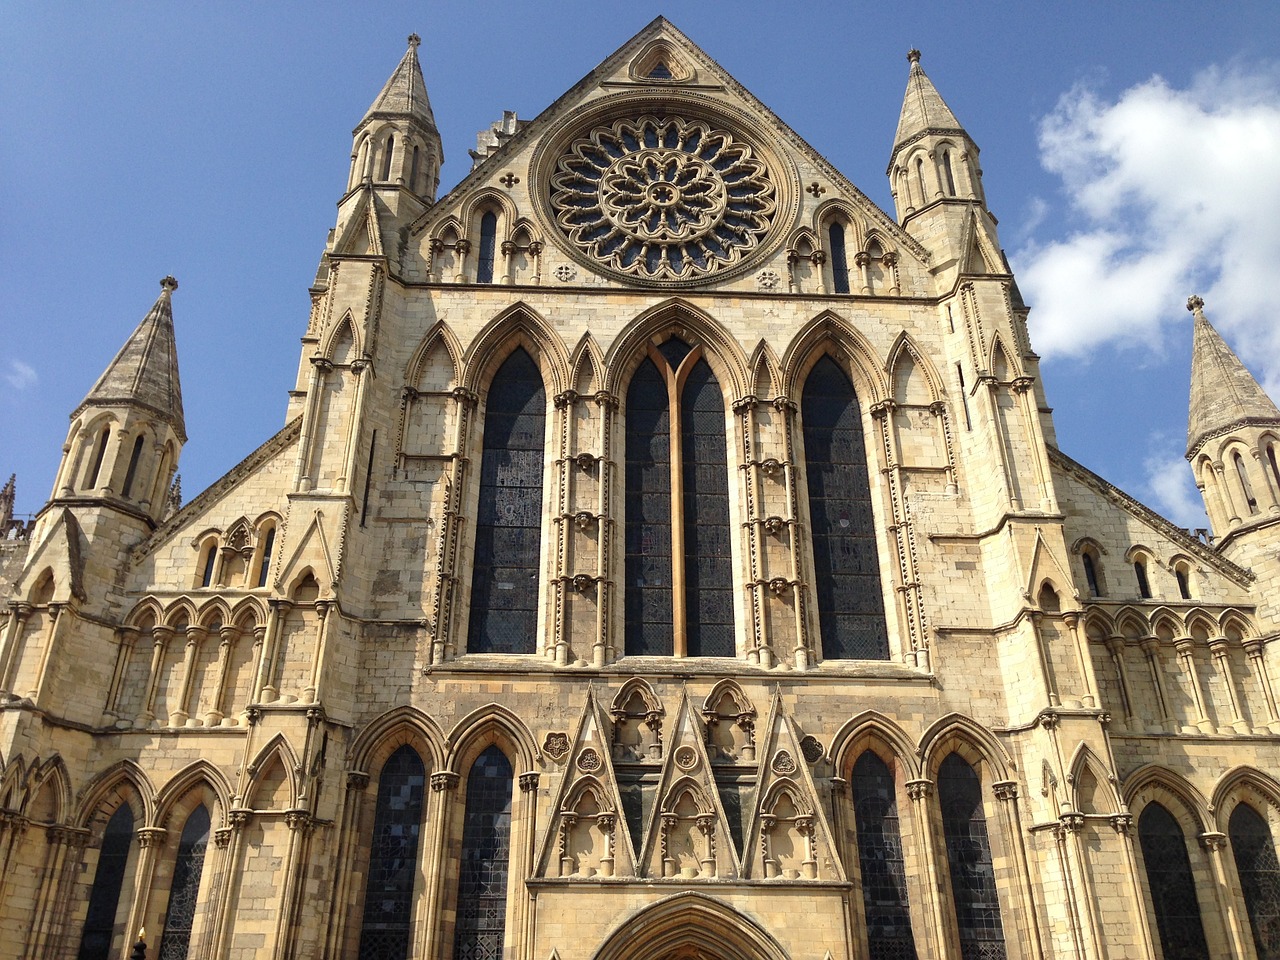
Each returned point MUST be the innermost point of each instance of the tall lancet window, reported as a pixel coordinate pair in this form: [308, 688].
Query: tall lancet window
[884, 876]
[179, 918]
[839, 259]
[1173, 885]
[393, 858]
[486, 859]
[1259, 870]
[679, 577]
[973, 879]
[108, 881]
[488, 247]
[845, 564]
[504, 580]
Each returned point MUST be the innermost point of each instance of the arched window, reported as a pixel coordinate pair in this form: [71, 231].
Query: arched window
[1259, 871]
[1182, 574]
[948, 175]
[134, 457]
[108, 881]
[486, 859]
[488, 247]
[210, 561]
[413, 170]
[973, 881]
[268, 545]
[846, 566]
[679, 577]
[1173, 887]
[1140, 574]
[1245, 485]
[97, 458]
[1091, 574]
[1271, 460]
[884, 877]
[386, 160]
[393, 858]
[504, 580]
[839, 260]
[924, 192]
[179, 916]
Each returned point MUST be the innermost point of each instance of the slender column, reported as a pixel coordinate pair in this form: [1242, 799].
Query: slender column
[1046, 667]
[227, 635]
[259, 636]
[461, 249]
[1006, 791]
[1068, 825]
[1222, 660]
[63, 846]
[194, 635]
[323, 609]
[1254, 651]
[1123, 826]
[264, 686]
[126, 638]
[302, 477]
[1228, 494]
[18, 614]
[862, 260]
[1087, 675]
[890, 261]
[1185, 648]
[1216, 844]
[602, 650]
[1084, 882]
[919, 791]
[1031, 422]
[444, 786]
[358, 369]
[160, 637]
[1151, 650]
[342, 899]
[991, 401]
[50, 636]
[508, 260]
[229, 842]
[1262, 474]
[150, 842]
[300, 826]
[535, 251]
[1115, 647]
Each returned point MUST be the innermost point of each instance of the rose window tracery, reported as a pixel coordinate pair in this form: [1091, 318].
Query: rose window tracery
[663, 198]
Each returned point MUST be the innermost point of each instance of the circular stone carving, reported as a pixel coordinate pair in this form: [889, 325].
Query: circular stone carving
[784, 763]
[812, 749]
[556, 745]
[589, 761]
[565, 273]
[663, 198]
[686, 758]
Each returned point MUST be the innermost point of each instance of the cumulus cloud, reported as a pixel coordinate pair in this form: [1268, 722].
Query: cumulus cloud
[1172, 192]
[1172, 491]
[19, 375]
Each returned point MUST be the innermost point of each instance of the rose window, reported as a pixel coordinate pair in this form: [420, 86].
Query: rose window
[663, 198]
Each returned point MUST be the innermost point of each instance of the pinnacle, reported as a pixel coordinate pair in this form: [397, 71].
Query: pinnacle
[405, 92]
[923, 109]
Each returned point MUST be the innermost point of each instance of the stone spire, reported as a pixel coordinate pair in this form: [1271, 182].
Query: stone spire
[405, 93]
[145, 371]
[923, 109]
[1224, 395]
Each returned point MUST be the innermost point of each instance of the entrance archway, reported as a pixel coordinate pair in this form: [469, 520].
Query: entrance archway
[690, 925]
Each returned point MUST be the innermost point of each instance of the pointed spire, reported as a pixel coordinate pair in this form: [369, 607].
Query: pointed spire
[405, 93]
[1223, 393]
[923, 109]
[145, 371]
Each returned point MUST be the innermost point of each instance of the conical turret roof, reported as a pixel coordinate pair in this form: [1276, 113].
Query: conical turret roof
[923, 109]
[145, 371]
[1223, 393]
[405, 93]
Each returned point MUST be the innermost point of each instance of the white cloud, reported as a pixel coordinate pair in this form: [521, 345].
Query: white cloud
[19, 375]
[1171, 489]
[1175, 192]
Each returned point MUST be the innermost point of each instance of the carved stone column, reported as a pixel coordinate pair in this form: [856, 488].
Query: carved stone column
[1215, 844]
[150, 842]
[264, 686]
[18, 614]
[160, 638]
[1185, 648]
[919, 792]
[195, 635]
[1220, 652]
[227, 636]
[1151, 650]
[1115, 647]
[1255, 651]
[1123, 826]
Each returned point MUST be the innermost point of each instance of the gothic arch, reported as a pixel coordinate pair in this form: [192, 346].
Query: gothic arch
[677, 316]
[1244, 784]
[587, 785]
[144, 608]
[839, 207]
[248, 613]
[442, 336]
[201, 773]
[123, 774]
[50, 776]
[1086, 759]
[803, 235]
[213, 611]
[687, 786]
[1000, 357]
[974, 742]
[518, 325]
[1153, 782]
[383, 735]
[641, 686]
[488, 197]
[1169, 619]
[1237, 621]
[690, 921]
[1201, 622]
[874, 728]
[1081, 543]
[278, 749]
[329, 347]
[587, 364]
[830, 333]
[179, 611]
[905, 346]
[1097, 623]
[492, 724]
[766, 376]
[790, 789]
[1132, 624]
[1139, 551]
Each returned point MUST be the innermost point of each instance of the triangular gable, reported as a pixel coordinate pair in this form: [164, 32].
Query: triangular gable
[361, 233]
[316, 549]
[61, 551]
[1047, 565]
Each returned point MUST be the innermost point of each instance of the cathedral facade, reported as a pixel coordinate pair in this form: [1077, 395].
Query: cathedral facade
[667, 554]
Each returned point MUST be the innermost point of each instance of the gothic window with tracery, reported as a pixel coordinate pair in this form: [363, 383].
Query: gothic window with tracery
[486, 857]
[108, 881]
[488, 247]
[184, 892]
[1259, 870]
[846, 565]
[504, 580]
[884, 877]
[679, 575]
[973, 880]
[393, 858]
[1173, 886]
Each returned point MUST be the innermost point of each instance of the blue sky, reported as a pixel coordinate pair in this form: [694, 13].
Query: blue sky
[1131, 153]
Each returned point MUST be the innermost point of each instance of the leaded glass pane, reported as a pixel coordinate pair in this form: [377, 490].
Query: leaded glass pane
[1259, 871]
[839, 261]
[1173, 886]
[486, 855]
[504, 579]
[393, 858]
[648, 511]
[973, 881]
[180, 915]
[108, 880]
[884, 878]
[488, 247]
[846, 565]
[708, 564]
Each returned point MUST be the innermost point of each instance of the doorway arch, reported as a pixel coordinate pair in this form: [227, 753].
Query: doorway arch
[690, 925]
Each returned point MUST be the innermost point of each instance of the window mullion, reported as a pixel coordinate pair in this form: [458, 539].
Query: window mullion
[679, 606]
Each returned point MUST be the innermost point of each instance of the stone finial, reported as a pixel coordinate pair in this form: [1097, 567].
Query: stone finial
[1194, 304]
[913, 55]
[414, 40]
[169, 284]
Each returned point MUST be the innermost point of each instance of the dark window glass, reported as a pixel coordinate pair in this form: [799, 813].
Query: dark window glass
[884, 877]
[1144, 585]
[846, 567]
[1184, 584]
[488, 247]
[647, 593]
[1091, 574]
[180, 915]
[504, 579]
[486, 855]
[948, 174]
[393, 858]
[1173, 887]
[973, 880]
[97, 458]
[1259, 871]
[839, 261]
[210, 558]
[133, 467]
[267, 547]
[386, 160]
[1250, 500]
[108, 880]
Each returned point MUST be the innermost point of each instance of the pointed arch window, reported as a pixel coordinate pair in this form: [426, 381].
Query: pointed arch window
[180, 915]
[97, 458]
[924, 192]
[385, 933]
[884, 876]
[1173, 886]
[1091, 573]
[1140, 574]
[973, 880]
[210, 561]
[386, 160]
[268, 546]
[486, 859]
[1271, 460]
[1182, 573]
[132, 472]
[846, 565]
[504, 579]
[488, 247]
[108, 881]
[1246, 487]
[1259, 871]
[413, 169]
[679, 576]
[948, 174]
[839, 257]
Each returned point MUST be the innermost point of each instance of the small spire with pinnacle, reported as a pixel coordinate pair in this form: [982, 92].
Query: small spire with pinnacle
[1224, 394]
[405, 94]
[923, 109]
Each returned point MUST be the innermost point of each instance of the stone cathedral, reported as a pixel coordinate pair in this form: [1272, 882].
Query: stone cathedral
[666, 555]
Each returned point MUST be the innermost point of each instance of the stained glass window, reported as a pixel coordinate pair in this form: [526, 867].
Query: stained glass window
[108, 880]
[839, 259]
[486, 855]
[973, 881]
[648, 505]
[1259, 871]
[180, 915]
[846, 566]
[393, 858]
[884, 878]
[1173, 886]
[504, 580]
[488, 247]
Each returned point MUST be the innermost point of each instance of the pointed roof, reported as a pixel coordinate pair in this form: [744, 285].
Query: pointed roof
[405, 93]
[145, 371]
[923, 109]
[1223, 393]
